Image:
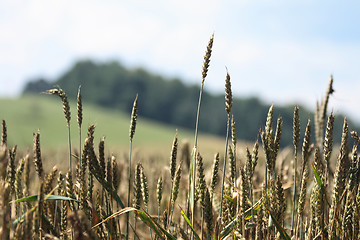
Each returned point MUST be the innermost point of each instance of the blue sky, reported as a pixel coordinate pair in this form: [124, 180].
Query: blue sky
[282, 51]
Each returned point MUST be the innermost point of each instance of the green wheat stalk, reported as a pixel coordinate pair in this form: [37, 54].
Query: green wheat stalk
[192, 172]
[131, 135]
[228, 106]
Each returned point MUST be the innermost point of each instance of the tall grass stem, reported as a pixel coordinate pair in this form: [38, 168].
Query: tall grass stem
[224, 167]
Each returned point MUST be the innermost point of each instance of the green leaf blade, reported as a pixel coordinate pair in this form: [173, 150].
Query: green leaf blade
[280, 229]
[34, 198]
[189, 223]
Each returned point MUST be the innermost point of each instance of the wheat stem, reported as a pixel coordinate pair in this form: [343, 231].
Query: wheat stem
[131, 135]
[228, 106]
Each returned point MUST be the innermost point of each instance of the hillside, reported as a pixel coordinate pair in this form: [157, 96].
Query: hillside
[26, 115]
[169, 101]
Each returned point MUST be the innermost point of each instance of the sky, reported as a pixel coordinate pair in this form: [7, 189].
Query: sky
[281, 51]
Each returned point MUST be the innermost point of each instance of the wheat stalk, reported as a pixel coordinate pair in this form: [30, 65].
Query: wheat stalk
[134, 114]
[66, 107]
[228, 106]
[192, 171]
[79, 117]
[296, 129]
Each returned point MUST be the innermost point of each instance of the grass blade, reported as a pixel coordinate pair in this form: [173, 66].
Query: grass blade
[122, 211]
[280, 229]
[34, 198]
[255, 208]
[228, 228]
[154, 225]
[109, 189]
[189, 223]
[145, 218]
[317, 177]
[319, 182]
[250, 225]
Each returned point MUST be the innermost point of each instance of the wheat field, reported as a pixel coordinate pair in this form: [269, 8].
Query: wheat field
[251, 191]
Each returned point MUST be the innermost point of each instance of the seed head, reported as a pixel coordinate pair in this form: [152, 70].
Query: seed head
[144, 188]
[79, 108]
[232, 165]
[66, 107]
[37, 155]
[306, 144]
[173, 158]
[214, 174]
[4, 134]
[277, 136]
[201, 184]
[208, 215]
[328, 140]
[296, 128]
[137, 186]
[233, 132]
[176, 186]
[207, 58]
[133, 118]
[228, 94]
[159, 189]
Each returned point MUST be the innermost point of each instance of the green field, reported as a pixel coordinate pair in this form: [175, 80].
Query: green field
[27, 114]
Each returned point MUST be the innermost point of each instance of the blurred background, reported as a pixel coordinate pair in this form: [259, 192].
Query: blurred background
[277, 52]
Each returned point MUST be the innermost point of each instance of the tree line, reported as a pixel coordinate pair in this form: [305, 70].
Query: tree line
[170, 101]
